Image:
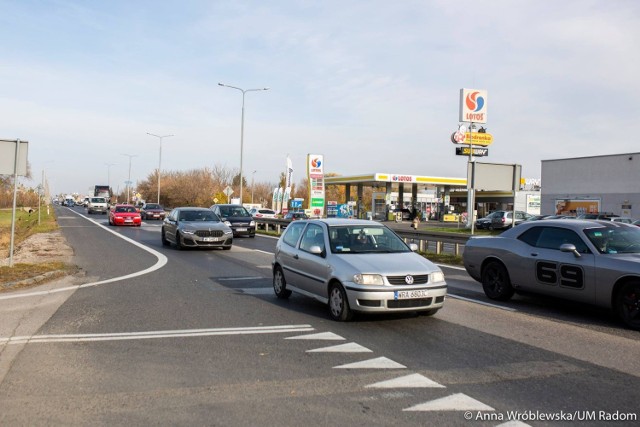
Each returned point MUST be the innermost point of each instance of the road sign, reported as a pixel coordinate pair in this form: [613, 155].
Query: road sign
[479, 152]
[228, 191]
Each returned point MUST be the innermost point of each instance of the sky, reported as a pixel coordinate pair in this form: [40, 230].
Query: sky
[371, 85]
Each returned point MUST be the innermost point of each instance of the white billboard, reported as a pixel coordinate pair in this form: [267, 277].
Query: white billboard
[473, 105]
[8, 157]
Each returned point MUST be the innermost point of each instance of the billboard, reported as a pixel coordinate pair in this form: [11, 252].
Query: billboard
[315, 175]
[473, 105]
[8, 157]
[576, 206]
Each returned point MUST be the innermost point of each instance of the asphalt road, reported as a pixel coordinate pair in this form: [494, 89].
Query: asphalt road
[155, 336]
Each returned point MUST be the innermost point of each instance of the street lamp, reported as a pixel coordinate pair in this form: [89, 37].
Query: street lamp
[252, 175]
[129, 180]
[242, 125]
[109, 174]
[159, 159]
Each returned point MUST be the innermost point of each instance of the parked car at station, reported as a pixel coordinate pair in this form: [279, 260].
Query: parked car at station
[589, 261]
[503, 220]
[191, 227]
[237, 217]
[355, 266]
[293, 216]
[152, 211]
[483, 223]
[262, 213]
[124, 215]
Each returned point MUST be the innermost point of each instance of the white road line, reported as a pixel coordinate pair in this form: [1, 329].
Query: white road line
[342, 348]
[377, 363]
[319, 336]
[407, 381]
[455, 402]
[229, 279]
[162, 260]
[155, 334]
[480, 302]
[264, 252]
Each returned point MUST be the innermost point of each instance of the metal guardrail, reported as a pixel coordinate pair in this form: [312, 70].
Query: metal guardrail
[424, 239]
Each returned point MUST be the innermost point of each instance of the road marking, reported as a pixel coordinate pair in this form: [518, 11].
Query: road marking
[455, 402]
[513, 424]
[408, 381]
[33, 339]
[264, 252]
[342, 348]
[228, 279]
[264, 266]
[453, 267]
[162, 261]
[319, 336]
[377, 363]
[501, 307]
[257, 291]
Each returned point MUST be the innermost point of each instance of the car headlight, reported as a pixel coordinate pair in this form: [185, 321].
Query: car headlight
[228, 231]
[188, 231]
[368, 279]
[252, 224]
[227, 223]
[438, 276]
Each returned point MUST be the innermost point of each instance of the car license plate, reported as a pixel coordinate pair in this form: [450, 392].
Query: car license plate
[128, 220]
[156, 215]
[241, 229]
[410, 294]
[210, 239]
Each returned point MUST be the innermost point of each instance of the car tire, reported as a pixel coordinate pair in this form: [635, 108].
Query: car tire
[627, 304]
[496, 282]
[280, 284]
[179, 245]
[165, 242]
[339, 304]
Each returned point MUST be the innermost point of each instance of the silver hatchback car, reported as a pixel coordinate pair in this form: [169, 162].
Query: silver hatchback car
[355, 266]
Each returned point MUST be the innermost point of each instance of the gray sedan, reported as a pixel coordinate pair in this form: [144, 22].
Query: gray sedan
[595, 262]
[197, 228]
[355, 265]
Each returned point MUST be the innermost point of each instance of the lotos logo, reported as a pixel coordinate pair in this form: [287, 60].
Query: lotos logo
[402, 178]
[316, 163]
[474, 102]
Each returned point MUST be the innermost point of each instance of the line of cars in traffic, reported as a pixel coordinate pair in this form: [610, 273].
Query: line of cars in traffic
[503, 219]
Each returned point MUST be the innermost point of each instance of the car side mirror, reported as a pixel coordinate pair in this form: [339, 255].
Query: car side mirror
[570, 247]
[413, 247]
[317, 250]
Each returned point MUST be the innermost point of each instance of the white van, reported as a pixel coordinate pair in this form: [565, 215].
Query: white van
[97, 204]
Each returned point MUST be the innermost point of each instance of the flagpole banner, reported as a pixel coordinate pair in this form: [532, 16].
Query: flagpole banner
[315, 175]
[274, 200]
[285, 200]
[280, 195]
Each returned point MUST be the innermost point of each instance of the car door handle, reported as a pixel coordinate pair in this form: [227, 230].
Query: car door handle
[534, 254]
[295, 256]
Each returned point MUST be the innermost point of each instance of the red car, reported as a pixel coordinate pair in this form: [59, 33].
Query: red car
[124, 215]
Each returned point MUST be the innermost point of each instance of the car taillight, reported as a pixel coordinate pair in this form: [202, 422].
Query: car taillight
[502, 219]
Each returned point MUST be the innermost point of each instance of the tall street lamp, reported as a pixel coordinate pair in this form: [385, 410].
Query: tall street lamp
[159, 159]
[129, 179]
[242, 125]
[109, 174]
[252, 176]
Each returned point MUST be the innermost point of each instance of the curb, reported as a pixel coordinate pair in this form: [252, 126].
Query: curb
[45, 277]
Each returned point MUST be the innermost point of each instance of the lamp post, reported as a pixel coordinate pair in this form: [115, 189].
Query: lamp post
[109, 174]
[252, 176]
[242, 125]
[129, 179]
[159, 159]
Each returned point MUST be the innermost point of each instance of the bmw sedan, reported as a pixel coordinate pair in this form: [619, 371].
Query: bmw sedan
[589, 261]
[188, 227]
[355, 266]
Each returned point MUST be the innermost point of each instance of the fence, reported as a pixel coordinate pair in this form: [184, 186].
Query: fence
[433, 241]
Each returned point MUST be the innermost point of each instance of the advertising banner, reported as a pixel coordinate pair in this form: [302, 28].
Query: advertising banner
[315, 175]
[577, 206]
[473, 105]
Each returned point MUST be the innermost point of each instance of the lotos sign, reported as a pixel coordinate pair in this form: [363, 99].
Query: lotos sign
[473, 105]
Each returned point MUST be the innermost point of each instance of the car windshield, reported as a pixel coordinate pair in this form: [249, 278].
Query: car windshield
[152, 206]
[128, 209]
[228, 211]
[615, 240]
[368, 239]
[97, 200]
[203, 215]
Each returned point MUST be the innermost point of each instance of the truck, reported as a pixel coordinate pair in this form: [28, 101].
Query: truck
[103, 191]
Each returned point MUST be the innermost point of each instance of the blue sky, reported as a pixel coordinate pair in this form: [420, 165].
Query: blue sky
[372, 85]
